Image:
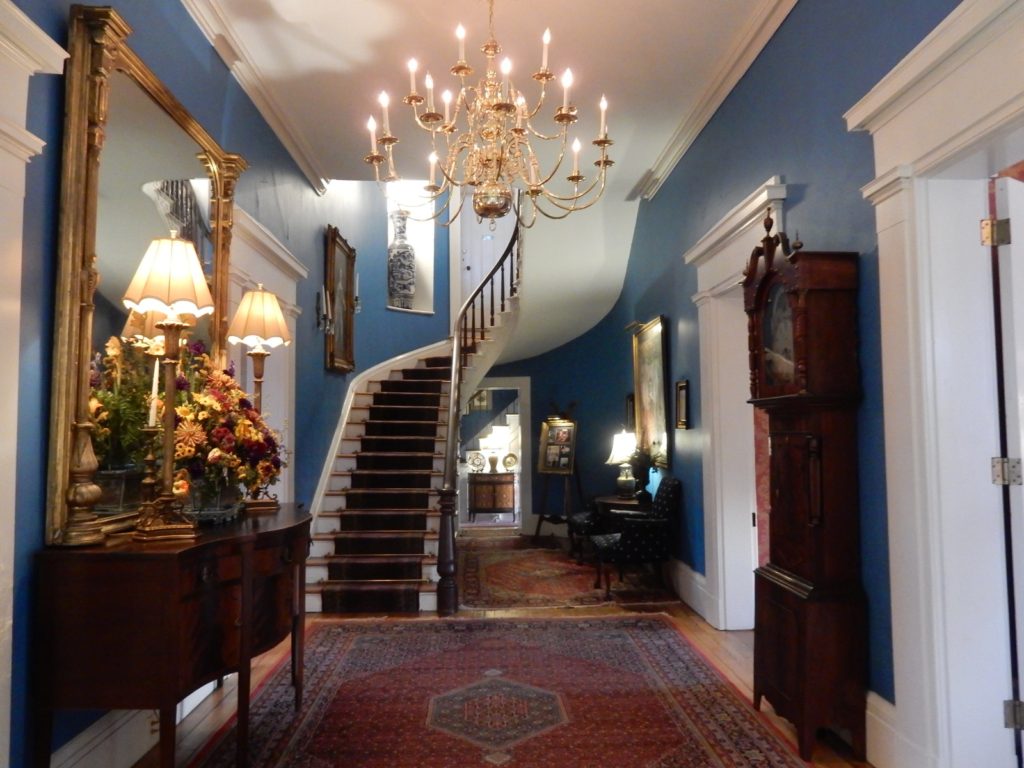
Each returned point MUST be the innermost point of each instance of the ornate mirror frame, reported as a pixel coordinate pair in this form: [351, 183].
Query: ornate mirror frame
[96, 41]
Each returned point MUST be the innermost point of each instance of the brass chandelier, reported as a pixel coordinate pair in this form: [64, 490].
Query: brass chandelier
[485, 138]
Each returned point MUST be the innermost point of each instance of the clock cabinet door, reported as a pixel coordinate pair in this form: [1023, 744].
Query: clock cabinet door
[795, 501]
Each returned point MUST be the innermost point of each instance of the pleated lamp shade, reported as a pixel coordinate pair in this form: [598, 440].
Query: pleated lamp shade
[259, 322]
[623, 448]
[170, 280]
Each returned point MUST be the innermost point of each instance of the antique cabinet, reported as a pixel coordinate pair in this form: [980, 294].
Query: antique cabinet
[810, 615]
[140, 625]
[491, 493]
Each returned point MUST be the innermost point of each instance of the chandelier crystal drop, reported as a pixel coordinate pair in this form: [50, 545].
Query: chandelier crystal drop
[485, 139]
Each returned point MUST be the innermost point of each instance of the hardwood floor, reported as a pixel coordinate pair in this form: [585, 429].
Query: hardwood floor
[731, 652]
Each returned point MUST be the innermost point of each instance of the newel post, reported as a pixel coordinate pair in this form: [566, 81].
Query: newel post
[447, 589]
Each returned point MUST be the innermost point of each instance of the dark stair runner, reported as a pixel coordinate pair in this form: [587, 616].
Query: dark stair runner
[377, 565]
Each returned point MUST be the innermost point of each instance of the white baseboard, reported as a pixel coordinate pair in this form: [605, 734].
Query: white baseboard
[887, 747]
[690, 586]
[119, 739]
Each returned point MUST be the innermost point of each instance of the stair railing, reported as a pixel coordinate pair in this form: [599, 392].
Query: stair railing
[475, 318]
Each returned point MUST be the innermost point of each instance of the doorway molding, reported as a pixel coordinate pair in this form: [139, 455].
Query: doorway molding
[931, 160]
[725, 595]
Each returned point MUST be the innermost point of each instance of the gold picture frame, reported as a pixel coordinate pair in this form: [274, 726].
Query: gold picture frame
[683, 404]
[339, 302]
[557, 452]
[650, 390]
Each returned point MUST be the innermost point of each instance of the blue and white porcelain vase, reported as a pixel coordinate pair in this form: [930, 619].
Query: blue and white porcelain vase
[401, 265]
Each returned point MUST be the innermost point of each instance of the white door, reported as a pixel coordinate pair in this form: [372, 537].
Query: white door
[1009, 204]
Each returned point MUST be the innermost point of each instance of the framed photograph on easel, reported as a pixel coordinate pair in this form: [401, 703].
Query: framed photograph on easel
[557, 446]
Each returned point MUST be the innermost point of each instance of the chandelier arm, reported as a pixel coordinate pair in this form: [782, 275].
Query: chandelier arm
[554, 216]
[577, 195]
[517, 208]
[576, 205]
[562, 134]
[530, 114]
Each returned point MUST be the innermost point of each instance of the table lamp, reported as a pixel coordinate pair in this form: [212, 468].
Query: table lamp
[623, 448]
[259, 323]
[169, 281]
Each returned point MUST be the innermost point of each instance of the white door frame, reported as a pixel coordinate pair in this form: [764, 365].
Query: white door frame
[725, 595]
[945, 118]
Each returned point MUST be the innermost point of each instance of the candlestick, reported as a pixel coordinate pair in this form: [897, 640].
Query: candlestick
[371, 125]
[566, 82]
[544, 56]
[152, 396]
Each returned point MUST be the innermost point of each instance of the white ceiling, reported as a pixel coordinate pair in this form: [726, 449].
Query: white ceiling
[314, 69]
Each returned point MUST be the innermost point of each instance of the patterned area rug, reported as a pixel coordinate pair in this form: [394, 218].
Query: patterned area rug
[491, 578]
[625, 692]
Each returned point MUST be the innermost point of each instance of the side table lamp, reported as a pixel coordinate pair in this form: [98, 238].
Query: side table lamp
[623, 447]
[169, 281]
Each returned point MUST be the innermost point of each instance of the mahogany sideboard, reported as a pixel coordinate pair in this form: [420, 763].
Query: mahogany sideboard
[135, 625]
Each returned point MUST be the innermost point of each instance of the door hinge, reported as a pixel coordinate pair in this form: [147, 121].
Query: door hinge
[1006, 471]
[1013, 714]
[995, 231]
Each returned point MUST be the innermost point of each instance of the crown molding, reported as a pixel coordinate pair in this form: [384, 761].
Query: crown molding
[733, 65]
[18, 142]
[262, 240]
[966, 30]
[739, 220]
[26, 44]
[218, 30]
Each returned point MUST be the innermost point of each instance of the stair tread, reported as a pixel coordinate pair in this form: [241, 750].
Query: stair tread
[372, 584]
[372, 558]
[318, 587]
[391, 454]
[389, 511]
[351, 472]
[332, 535]
[346, 491]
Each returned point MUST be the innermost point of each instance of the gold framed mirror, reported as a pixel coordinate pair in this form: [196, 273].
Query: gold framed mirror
[135, 165]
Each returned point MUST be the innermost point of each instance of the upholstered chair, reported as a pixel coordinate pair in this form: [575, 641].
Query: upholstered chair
[642, 539]
[582, 524]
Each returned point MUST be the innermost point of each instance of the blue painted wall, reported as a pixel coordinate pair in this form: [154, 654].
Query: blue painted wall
[274, 191]
[784, 117]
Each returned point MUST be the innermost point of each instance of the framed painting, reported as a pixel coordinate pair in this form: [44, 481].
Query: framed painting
[650, 390]
[683, 404]
[557, 446]
[339, 302]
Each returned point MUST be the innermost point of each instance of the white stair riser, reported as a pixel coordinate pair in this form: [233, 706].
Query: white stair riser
[319, 548]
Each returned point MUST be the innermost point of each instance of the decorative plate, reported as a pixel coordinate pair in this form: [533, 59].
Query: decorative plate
[510, 461]
[476, 461]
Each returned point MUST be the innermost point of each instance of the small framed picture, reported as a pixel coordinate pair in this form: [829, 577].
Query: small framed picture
[683, 404]
[557, 446]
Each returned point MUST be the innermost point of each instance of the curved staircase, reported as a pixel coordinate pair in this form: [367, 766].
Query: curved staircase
[378, 523]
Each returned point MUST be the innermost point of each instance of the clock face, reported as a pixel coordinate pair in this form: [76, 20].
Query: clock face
[777, 337]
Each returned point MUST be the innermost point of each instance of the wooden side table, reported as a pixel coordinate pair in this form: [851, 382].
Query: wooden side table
[608, 507]
[492, 493]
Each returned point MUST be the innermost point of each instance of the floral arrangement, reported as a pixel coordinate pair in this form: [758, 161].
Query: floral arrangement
[119, 400]
[220, 440]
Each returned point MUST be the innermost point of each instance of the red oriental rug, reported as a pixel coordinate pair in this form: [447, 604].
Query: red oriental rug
[491, 578]
[624, 692]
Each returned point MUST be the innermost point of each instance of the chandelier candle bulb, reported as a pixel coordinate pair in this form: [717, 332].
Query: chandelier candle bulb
[413, 66]
[544, 55]
[384, 101]
[430, 92]
[566, 82]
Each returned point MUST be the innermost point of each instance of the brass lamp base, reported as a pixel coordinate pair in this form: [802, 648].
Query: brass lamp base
[163, 520]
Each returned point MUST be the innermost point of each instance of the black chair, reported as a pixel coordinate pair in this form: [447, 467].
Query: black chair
[582, 524]
[642, 539]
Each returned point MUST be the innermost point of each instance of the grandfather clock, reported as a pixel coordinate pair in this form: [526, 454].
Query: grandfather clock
[810, 617]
